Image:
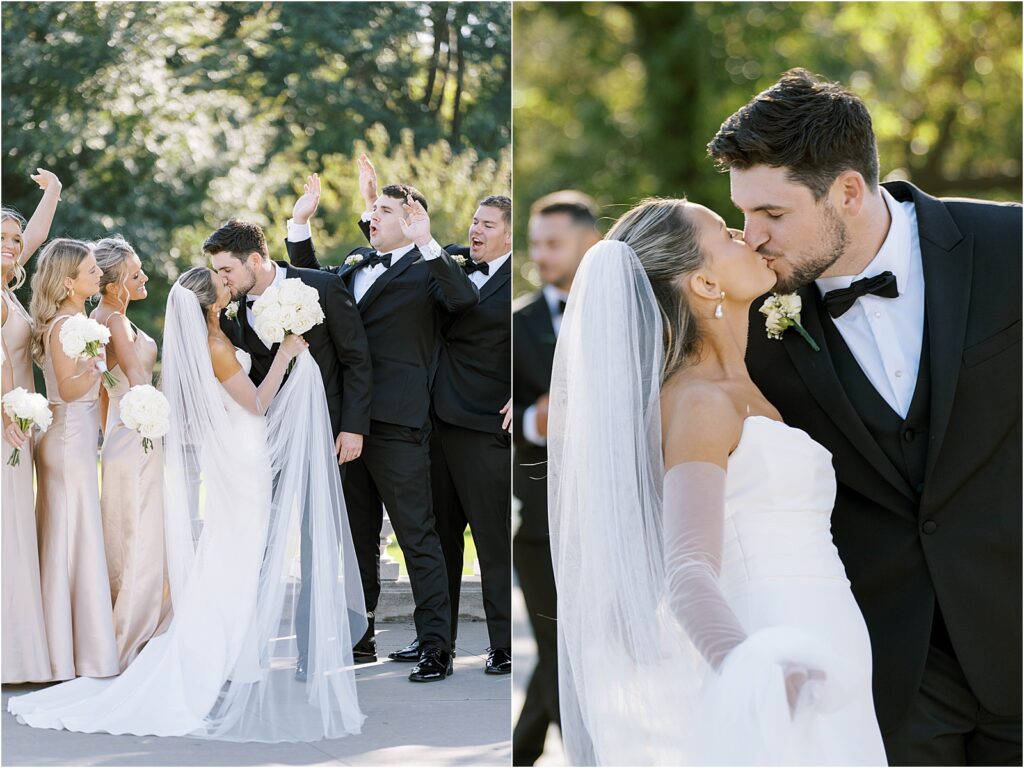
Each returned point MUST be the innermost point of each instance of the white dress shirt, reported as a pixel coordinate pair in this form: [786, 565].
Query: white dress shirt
[552, 296]
[279, 278]
[885, 335]
[478, 278]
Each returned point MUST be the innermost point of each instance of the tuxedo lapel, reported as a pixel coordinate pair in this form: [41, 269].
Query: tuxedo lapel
[819, 375]
[500, 278]
[389, 274]
[948, 261]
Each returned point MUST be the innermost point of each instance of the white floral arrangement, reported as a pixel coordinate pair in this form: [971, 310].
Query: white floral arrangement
[145, 409]
[782, 311]
[460, 260]
[354, 259]
[83, 338]
[27, 410]
[231, 310]
[291, 307]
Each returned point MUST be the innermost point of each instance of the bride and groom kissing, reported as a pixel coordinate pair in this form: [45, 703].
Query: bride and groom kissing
[792, 539]
[260, 436]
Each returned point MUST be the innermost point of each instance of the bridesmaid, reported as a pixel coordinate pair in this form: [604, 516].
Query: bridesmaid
[25, 657]
[76, 593]
[132, 488]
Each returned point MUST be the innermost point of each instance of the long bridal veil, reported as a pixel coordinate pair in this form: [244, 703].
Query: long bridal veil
[628, 676]
[213, 466]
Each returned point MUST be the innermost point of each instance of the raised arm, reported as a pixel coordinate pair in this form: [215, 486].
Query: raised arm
[230, 374]
[450, 286]
[38, 227]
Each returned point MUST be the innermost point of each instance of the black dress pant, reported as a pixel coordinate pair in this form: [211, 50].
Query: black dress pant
[946, 724]
[394, 472]
[470, 477]
[537, 580]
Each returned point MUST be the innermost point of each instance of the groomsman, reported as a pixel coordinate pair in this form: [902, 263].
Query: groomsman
[471, 445]
[563, 225]
[404, 287]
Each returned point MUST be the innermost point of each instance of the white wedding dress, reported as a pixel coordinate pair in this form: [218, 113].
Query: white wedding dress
[686, 597]
[237, 485]
[174, 683]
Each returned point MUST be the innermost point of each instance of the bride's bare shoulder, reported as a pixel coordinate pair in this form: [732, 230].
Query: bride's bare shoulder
[699, 420]
[222, 355]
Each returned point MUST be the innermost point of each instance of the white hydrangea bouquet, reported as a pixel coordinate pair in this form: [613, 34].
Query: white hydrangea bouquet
[27, 410]
[782, 311]
[83, 338]
[145, 409]
[291, 307]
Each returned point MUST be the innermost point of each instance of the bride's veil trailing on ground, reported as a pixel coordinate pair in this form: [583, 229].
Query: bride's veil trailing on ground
[262, 700]
[628, 676]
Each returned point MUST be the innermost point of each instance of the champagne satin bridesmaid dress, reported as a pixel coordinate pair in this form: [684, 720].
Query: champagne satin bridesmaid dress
[76, 590]
[133, 520]
[26, 657]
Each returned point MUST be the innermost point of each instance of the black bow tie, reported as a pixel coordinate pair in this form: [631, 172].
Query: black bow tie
[884, 285]
[476, 266]
[250, 300]
[377, 258]
[561, 307]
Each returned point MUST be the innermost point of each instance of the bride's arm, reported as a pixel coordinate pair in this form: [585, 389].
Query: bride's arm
[701, 427]
[229, 373]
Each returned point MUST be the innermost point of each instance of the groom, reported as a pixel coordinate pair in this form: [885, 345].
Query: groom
[915, 303]
[238, 252]
[404, 287]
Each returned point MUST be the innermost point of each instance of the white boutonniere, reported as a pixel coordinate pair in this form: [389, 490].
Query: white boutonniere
[231, 310]
[354, 259]
[782, 311]
[460, 260]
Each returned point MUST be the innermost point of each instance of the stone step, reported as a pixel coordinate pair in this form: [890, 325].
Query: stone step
[396, 603]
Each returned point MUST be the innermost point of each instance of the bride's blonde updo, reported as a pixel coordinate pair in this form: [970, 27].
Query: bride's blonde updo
[200, 281]
[60, 260]
[665, 241]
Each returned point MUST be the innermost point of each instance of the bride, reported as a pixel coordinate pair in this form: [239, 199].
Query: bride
[704, 615]
[244, 470]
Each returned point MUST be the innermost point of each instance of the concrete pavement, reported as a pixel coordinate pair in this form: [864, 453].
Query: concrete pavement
[465, 720]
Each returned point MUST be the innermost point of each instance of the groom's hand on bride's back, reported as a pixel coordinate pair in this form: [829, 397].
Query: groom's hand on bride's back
[348, 447]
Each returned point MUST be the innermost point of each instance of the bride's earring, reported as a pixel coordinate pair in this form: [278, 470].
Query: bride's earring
[718, 309]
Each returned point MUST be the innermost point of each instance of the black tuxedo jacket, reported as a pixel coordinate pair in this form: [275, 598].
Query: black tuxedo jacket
[474, 377]
[338, 345]
[402, 315]
[533, 355]
[957, 540]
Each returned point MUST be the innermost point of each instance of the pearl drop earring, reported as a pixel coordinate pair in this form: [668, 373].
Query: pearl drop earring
[718, 309]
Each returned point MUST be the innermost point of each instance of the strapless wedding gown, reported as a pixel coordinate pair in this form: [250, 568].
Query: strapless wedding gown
[174, 683]
[782, 577]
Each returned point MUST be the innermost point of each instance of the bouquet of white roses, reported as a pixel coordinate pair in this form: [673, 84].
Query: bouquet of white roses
[83, 338]
[145, 409]
[27, 410]
[292, 307]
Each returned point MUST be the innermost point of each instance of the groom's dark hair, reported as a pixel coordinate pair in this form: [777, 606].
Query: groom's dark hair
[811, 127]
[402, 191]
[239, 238]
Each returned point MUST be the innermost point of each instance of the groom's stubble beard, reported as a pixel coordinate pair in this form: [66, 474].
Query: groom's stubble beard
[241, 291]
[832, 240]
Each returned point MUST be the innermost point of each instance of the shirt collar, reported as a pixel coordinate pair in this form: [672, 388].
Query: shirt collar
[400, 252]
[893, 256]
[553, 295]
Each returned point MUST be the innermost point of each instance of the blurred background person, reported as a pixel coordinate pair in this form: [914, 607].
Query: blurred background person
[562, 226]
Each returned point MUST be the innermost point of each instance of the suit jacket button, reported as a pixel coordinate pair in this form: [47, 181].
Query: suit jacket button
[929, 526]
[919, 487]
[908, 435]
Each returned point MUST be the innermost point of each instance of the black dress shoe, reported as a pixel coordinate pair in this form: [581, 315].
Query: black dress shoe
[300, 670]
[411, 652]
[499, 662]
[365, 651]
[434, 664]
